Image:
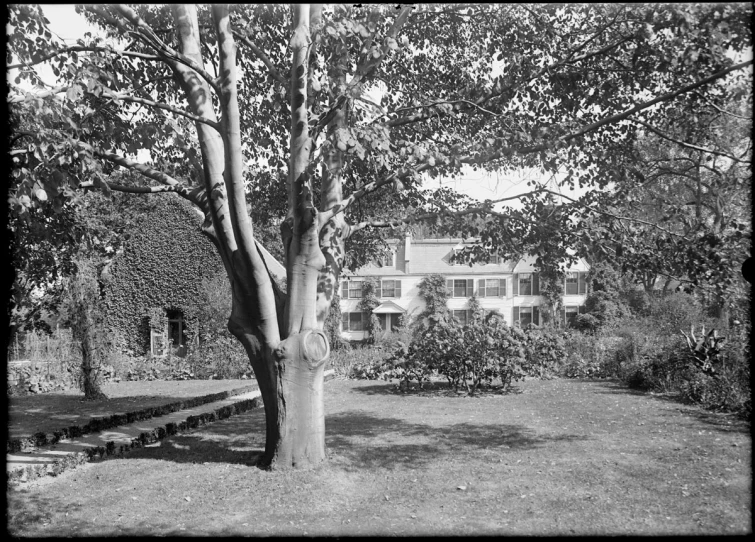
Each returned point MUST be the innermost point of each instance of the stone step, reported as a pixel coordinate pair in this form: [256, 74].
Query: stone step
[67, 453]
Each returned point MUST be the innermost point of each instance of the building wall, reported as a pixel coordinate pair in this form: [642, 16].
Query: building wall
[431, 256]
[161, 267]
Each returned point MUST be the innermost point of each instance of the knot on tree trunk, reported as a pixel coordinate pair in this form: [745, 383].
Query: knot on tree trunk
[310, 345]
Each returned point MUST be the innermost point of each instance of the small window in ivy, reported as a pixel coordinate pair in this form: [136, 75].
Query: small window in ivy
[177, 331]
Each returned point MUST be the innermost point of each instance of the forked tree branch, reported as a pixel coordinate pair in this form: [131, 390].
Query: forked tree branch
[164, 50]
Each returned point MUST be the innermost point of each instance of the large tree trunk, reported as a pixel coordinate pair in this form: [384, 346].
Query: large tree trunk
[300, 360]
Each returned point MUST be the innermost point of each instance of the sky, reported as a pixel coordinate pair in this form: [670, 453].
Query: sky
[69, 26]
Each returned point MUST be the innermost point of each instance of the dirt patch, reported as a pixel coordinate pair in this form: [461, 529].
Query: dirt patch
[560, 457]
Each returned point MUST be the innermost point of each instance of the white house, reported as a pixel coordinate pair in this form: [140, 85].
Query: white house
[509, 288]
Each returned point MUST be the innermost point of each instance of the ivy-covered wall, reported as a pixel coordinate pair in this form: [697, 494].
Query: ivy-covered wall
[162, 266]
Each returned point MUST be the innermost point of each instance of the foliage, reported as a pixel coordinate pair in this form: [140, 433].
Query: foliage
[83, 311]
[370, 299]
[544, 352]
[551, 279]
[651, 353]
[333, 325]
[478, 353]
[432, 289]
[162, 266]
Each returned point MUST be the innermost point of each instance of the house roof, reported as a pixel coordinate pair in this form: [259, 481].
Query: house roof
[427, 256]
[434, 255]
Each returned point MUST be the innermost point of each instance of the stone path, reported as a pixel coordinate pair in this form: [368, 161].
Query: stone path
[67, 453]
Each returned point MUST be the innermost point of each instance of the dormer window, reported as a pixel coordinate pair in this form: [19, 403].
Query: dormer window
[388, 260]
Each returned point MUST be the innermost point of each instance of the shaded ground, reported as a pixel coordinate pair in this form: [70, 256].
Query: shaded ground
[48, 412]
[560, 457]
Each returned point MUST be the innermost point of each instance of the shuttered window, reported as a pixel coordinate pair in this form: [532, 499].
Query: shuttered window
[463, 316]
[353, 321]
[525, 284]
[526, 315]
[460, 287]
[390, 288]
[570, 316]
[355, 289]
[575, 283]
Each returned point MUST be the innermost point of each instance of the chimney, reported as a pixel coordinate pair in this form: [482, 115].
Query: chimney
[407, 249]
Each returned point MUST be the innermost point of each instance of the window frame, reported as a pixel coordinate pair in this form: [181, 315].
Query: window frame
[529, 280]
[526, 310]
[348, 321]
[384, 259]
[574, 309]
[393, 289]
[361, 286]
[568, 281]
[466, 315]
[497, 288]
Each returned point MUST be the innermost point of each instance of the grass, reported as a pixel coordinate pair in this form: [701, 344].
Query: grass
[555, 457]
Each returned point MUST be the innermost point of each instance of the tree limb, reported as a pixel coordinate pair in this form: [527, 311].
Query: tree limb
[259, 53]
[81, 48]
[667, 137]
[167, 107]
[162, 48]
[608, 120]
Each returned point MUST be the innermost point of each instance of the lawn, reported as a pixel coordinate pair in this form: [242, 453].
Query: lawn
[556, 457]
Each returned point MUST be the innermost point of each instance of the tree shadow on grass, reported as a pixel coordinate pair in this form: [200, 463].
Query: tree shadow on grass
[369, 441]
[432, 389]
[239, 440]
[723, 422]
[362, 440]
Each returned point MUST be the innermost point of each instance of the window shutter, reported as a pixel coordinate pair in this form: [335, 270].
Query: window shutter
[345, 289]
[515, 313]
[398, 288]
[536, 315]
[470, 287]
[502, 287]
[345, 321]
[481, 287]
[380, 289]
[450, 288]
[516, 284]
[563, 316]
[581, 309]
[581, 285]
[535, 283]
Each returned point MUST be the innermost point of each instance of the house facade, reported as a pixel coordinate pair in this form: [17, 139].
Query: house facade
[510, 288]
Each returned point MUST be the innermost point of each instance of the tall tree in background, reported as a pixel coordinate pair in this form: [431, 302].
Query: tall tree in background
[689, 218]
[339, 103]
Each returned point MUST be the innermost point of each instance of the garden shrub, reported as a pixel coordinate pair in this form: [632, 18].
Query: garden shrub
[468, 356]
[544, 352]
[362, 362]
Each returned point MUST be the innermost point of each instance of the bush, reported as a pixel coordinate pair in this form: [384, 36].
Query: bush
[649, 353]
[544, 352]
[362, 362]
[468, 356]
